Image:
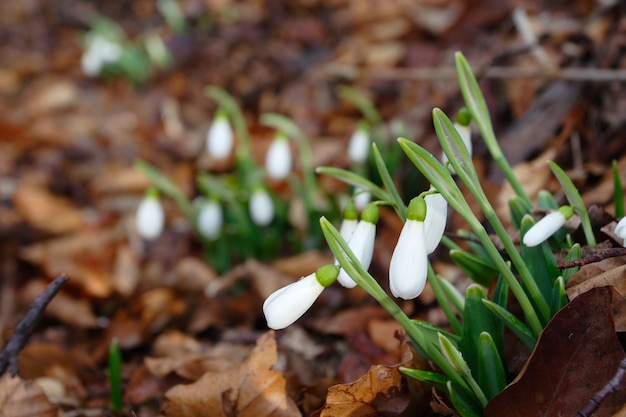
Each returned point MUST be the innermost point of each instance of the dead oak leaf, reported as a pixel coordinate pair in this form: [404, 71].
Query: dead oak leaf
[252, 389]
[19, 398]
[576, 355]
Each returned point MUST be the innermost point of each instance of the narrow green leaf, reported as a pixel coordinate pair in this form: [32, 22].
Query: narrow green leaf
[355, 180]
[431, 378]
[559, 296]
[574, 254]
[518, 208]
[513, 323]
[546, 201]
[453, 146]
[575, 200]
[115, 376]
[464, 403]
[166, 186]
[362, 102]
[395, 198]
[442, 299]
[618, 191]
[491, 374]
[455, 297]
[477, 269]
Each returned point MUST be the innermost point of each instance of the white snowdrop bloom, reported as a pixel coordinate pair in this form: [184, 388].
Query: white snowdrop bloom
[409, 262]
[349, 222]
[361, 198]
[620, 230]
[278, 161]
[98, 53]
[286, 305]
[466, 135]
[546, 227]
[362, 242]
[435, 221]
[261, 207]
[220, 139]
[150, 217]
[359, 145]
[210, 219]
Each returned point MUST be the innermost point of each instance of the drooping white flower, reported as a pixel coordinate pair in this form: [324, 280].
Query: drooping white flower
[99, 52]
[359, 145]
[261, 207]
[409, 262]
[362, 242]
[349, 222]
[547, 226]
[150, 217]
[286, 305]
[361, 198]
[435, 221]
[278, 161]
[620, 230]
[210, 219]
[462, 126]
[220, 139]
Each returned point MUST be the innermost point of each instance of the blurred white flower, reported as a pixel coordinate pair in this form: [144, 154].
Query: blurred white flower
[261, 207]
[359, 145]
[278, 161]
[409, 262]
[547, 226]
[361, 198]
[99, 52]
[220, 139]
[362, 242]
[210, 219]
[286, 305]
[150, 217]
[620, 230]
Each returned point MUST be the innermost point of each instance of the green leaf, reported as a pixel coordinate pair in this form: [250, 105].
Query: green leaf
[513, 323]
[115, 376]
[477, 269]
[167, 187]
[431, 378]
[559, 296]
[464, 403]
[546, 201]
[574, 254]
[395, 198]
[355, 180]
[518, 208]
[442, 299]
[575, 200]
[491, 374]
[454, 147]
[362, 102]
[618, 191]
[456, 298]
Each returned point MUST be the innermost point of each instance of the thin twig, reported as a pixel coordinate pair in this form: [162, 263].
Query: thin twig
[610, 387]
[26, 326]
[596, 257]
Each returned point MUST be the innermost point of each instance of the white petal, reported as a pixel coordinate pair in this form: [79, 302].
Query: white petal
[361, 198]
[150, 218]
[210, 219]
[359, 147]
[544, 228]
[261, 208]
[220, 139]
[362, 244]
[435, 221]
[408, 267]
[347, 228]
[278, 160]
[289, 303]
[620, 229]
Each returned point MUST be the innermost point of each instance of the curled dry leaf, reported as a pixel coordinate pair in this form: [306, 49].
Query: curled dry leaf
[252, 389]
[576, 355]
[20, 398]
[608, 272]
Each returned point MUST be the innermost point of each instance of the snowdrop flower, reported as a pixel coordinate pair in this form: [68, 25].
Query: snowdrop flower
[362, 242]
[210, 218]
[620, 229]
[98, 53]
[278, 160]
[286, 305]
[408, 267]
[361, 197]
[261, 207]
[435, 221]
[220, 138]
[462, 126]
[150, 217]
[546, 227]
[359, 145]
[349, 222]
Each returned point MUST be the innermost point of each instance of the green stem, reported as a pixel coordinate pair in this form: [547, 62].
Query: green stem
[445, 305]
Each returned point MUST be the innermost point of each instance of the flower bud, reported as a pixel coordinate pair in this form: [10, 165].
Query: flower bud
[278, 161]
[359, 145]
[220, 139]
[210, 219]
[620, 230]
[261, 207]
[546, 227]
[361, 198]
[150, 217]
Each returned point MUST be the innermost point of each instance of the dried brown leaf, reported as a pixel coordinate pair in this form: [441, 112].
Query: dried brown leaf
[576, 355]
[23, 399]
[46, 211]
[251, 389]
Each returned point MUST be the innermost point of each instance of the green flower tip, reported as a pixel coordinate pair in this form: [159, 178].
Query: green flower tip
[566, 211]
[350, 212]
[363, 126]
[417, 209]
[370, 213]
[281, 136]
[152, 192]
[327, 274]
[220, 113]
[463, 117]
